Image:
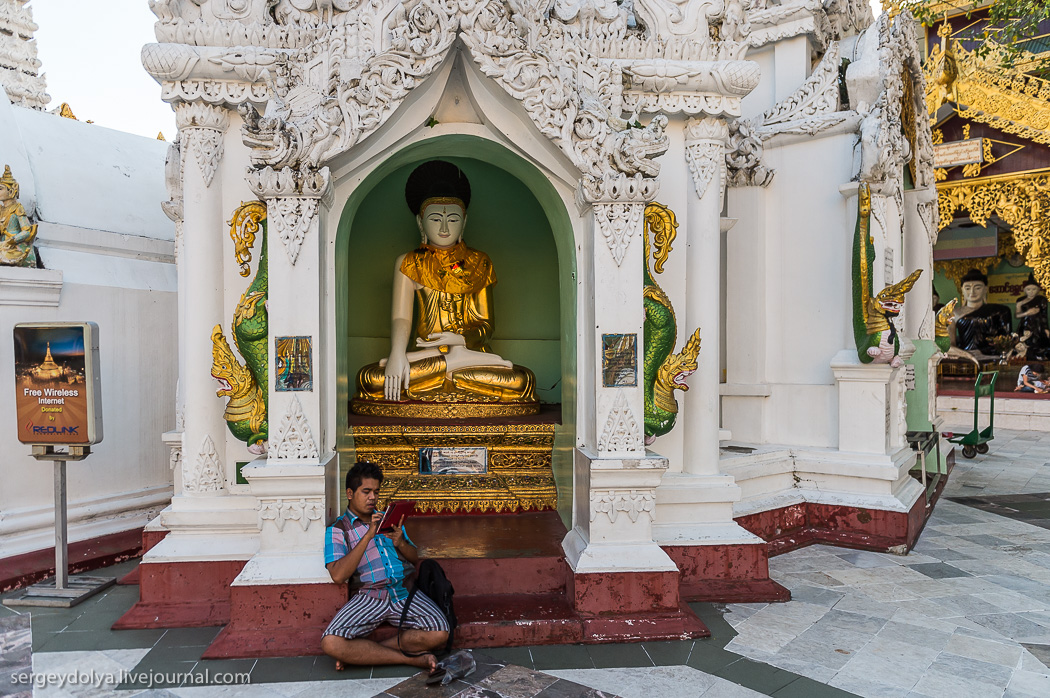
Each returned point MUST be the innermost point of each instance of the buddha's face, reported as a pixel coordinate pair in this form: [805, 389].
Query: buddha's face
[442, 224]
[974, 292]
[1030, 291]
[5, 193]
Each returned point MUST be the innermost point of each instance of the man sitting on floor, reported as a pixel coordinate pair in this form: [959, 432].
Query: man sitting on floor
[353, 548]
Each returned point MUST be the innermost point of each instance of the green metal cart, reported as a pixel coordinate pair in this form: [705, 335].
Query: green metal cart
[977, 440]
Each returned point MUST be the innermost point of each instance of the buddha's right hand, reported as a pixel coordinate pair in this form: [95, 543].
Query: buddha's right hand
[396, 376]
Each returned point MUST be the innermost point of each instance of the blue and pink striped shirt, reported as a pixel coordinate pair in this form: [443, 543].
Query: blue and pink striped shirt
[381, 570]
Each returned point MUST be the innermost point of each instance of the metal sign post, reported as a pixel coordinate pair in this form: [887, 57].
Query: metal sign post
[63, 591]
[58, 401]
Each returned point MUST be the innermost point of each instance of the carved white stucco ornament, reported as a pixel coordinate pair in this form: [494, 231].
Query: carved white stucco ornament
[622, 433]
[887, 72]
[705, 153]
[203, 473]
[821, 20]
[293, 440]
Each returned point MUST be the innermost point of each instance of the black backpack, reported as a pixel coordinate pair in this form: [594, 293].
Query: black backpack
[432, 582]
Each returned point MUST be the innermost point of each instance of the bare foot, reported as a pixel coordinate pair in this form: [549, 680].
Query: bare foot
[339, 666]
[425, 661]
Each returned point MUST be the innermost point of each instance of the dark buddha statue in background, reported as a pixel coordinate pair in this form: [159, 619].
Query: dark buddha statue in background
[1031, 319]
[977, 321]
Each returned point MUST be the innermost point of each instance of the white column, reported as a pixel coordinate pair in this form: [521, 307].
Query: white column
[705, 151]
[206, 523]
[173, 210]
[696, 506]
[201, 129]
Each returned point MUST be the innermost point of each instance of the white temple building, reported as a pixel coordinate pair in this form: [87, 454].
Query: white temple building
[107, 256]
[703, 159]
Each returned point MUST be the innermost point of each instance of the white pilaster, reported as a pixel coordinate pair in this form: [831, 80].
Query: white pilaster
[612, 531]
[290, 483]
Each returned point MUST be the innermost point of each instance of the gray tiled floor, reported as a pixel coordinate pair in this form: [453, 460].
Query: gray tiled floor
[967, 613]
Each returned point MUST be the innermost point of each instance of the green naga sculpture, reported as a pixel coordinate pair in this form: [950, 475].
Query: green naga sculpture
[663, 372]
[873, 328]
[246, 385]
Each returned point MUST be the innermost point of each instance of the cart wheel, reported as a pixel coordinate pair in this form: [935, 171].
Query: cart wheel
[969, 451]
[982, 448]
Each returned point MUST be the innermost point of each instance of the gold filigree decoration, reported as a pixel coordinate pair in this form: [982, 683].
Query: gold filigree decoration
[1022, 202]
[243, 226]
[937, 136]
[1006, 98]
[422, 409]
[519, 476]
[66, 112]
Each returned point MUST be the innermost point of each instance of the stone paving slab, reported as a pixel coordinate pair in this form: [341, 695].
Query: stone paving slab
[966, 613]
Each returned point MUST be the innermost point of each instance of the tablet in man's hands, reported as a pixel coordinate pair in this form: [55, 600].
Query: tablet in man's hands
[394, 513]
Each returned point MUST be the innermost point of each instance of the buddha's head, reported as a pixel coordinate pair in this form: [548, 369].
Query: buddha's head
[1031, 288]
[974, 288]
[441, 222]
[438, 193]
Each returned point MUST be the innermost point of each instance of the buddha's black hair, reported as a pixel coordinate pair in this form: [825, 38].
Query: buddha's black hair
[436, 178]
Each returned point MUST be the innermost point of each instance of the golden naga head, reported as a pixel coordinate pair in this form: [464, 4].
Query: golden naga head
[235, 380]
[673, 372]
[890, 300]
[10, 182]
[945, 317]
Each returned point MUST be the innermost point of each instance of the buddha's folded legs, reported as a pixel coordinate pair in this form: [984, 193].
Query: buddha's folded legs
[427, 376]
[516, 384]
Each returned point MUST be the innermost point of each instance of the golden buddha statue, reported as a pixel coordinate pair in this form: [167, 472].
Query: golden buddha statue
[452, 288]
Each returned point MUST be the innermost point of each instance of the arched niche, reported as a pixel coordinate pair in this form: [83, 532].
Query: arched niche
[518, 218]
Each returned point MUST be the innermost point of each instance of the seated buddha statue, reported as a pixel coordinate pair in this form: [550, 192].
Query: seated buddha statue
[451, 286]
[977, 321]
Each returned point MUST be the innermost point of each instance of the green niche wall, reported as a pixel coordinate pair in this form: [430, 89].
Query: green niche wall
[506, 222]
[350, 273]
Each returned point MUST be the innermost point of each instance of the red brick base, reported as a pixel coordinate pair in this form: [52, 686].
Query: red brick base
[726, 573]
[182, 595]
[803, 524]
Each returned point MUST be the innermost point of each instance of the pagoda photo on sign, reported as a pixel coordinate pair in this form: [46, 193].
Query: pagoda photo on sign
[56, 383]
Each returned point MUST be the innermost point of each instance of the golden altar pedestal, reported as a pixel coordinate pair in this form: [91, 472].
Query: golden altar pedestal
[518, 477]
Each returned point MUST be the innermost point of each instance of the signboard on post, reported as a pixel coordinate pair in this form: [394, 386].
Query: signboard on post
[58, 386]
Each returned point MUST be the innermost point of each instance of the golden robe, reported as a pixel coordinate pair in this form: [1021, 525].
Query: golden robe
[455, 296]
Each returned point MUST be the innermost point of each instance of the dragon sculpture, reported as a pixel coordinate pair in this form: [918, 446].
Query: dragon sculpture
[873, 317]
[663, 371]
[945, 317]
[246, 385]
